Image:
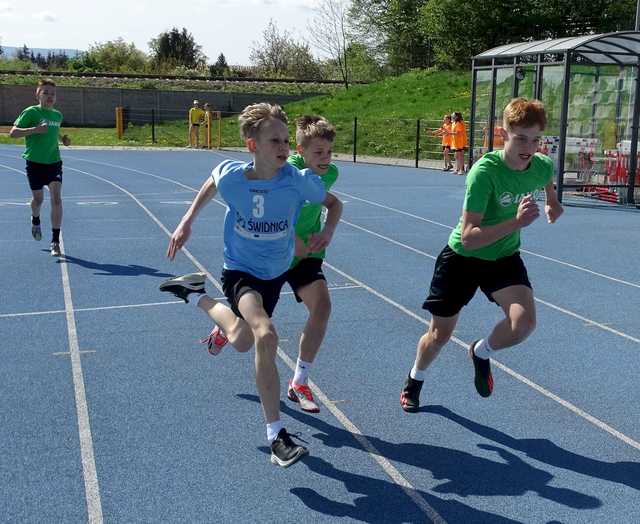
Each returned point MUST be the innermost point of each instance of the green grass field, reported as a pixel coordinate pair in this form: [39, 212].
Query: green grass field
[387, 114]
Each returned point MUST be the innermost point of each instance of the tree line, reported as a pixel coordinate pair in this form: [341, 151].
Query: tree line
[360, 39]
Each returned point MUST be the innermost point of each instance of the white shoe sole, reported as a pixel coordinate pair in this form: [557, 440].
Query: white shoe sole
[192, 282]
[287, 463]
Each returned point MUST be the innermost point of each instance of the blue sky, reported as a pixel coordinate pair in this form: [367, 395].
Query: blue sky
[221, 26]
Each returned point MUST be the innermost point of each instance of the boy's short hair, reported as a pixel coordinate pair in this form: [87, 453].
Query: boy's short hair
[309, 127]
[253, 116]
[524, 113]
[45, 82]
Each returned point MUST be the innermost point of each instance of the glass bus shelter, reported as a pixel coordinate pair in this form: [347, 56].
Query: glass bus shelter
[589, 85]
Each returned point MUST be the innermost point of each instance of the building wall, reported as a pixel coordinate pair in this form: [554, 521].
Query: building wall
[95, 107]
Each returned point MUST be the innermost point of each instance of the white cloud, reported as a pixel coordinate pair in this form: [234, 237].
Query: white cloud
[46, 16]
[5, 8]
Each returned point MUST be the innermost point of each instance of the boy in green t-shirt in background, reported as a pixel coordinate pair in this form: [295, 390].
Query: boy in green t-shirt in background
[314, 146]
[483, 250]
[40, 125]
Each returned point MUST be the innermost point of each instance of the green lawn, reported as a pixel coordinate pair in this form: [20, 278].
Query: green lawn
[387, 113]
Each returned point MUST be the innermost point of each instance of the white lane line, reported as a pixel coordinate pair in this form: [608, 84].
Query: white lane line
[373, 452]
[598, 423]
[12, 168]
[568, 312]
[590, 322]
[393, 473]
[532, 253]
[82, 352]
[91, 487]
[76, 310]
[465, 345]
[593, 323]
[149, 304]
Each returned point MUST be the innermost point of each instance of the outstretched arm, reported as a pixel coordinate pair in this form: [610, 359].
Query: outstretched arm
[183, 231]
[334, 212]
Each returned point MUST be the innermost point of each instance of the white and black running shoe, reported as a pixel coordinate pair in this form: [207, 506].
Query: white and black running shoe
[55, 249]
[284, 451]
[183, 286]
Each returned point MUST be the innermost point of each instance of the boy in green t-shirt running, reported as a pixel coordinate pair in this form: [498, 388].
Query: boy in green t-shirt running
[40, 125]
[483, 250]
[314, 146]
[314, 139]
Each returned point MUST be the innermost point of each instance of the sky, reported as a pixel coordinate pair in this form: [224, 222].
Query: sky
[219, 26]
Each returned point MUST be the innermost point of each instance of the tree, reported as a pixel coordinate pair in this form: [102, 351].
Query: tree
[177, 48]
[393, 32]
[362, 64]
[117, 56]
[24, 53]
[41, 61]
[280, 56]
[84, 63]
[482, 25]
[220, 68]
[329, 32]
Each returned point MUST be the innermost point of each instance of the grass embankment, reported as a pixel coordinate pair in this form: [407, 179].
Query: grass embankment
[387, 114]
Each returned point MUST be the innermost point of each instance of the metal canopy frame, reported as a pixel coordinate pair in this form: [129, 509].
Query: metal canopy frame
[619, 49]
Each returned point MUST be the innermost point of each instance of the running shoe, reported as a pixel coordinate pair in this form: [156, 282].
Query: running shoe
[215, 341]
[483, 379]
[183, 286]
[301, 393]
[284, 451]
[36, 232]
[410, 395]
[55, 249]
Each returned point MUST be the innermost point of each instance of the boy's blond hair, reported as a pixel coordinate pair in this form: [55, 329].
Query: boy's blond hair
[309, 127]
[253, 116]
[522, 112]
[45, 82]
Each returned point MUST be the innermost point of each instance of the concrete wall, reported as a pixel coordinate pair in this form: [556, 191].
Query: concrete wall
[95, 107]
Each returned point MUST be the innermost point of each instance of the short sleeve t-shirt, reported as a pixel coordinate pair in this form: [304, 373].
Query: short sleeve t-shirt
[446, 137]
[41, 148]
[459, 137]
[260, 217]
[196, 115]
[308, 222]
[495, 190]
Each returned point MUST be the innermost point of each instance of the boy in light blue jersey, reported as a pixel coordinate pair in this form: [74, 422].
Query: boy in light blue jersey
[264, 198]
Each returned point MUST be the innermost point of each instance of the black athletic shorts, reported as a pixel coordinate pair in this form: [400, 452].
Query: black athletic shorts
[237, 283]
[40, 175]
[308, 270]
[457, 278]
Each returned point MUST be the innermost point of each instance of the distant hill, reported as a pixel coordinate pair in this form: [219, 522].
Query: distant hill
[10, 52]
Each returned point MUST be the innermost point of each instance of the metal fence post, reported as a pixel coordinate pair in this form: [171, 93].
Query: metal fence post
[355, 136]
[417, 142]
[153, 126]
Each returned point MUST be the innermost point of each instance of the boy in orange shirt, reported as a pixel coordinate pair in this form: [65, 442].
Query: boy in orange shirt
[445, 132]
[458, 141]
